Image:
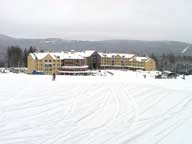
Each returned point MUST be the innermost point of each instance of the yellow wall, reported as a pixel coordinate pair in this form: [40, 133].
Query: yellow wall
[31, 64]
[42, 65]
[150, 65]
[106, 61]
[117, 60]
[54, 65]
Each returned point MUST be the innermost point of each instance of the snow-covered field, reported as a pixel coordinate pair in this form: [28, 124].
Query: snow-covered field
[121, 109]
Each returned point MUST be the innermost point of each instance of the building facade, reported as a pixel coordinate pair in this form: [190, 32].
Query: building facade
[126, 61]
[80, 62]
[46, 63]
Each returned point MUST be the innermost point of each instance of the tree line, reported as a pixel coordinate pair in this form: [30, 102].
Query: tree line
[17, 57]
[171, 62]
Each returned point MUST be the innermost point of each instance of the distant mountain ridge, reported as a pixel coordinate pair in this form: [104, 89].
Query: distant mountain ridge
[138, 47]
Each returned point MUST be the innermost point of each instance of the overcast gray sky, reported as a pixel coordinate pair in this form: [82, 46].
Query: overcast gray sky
[97, 19]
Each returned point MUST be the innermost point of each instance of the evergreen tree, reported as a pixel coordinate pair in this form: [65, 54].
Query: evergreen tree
[25, 55]
[32, 49]
[14, 56]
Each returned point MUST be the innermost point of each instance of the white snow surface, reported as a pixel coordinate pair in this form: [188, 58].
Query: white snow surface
[123, 108]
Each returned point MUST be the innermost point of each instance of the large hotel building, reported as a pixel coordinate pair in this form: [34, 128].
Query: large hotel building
[80, 62]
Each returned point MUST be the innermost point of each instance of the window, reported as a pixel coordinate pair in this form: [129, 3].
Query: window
[122, 63]
[48, 65]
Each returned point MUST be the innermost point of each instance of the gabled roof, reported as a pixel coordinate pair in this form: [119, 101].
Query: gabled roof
[82, 55]
[32, 55]
[61, 55]
[40, 56]
[87, 53]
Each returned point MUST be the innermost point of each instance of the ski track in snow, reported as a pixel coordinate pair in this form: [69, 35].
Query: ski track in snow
[119, 109]
[185, 49]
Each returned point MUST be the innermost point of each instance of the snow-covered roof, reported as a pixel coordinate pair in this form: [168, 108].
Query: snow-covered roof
[127, 55]
[82, 55]
[40, 56]
[61, 55]
[110, 55]
[87, 53]
[166, 71]
[32, 55]
[140, 59]
[71, 55]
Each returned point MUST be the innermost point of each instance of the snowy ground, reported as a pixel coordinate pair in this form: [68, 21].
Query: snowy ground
[121, 109]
